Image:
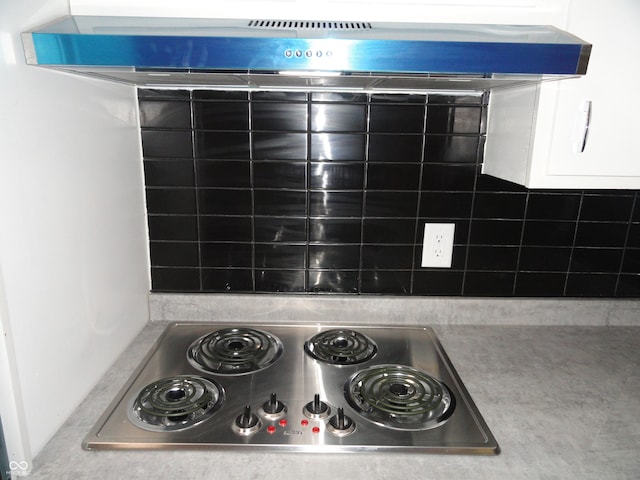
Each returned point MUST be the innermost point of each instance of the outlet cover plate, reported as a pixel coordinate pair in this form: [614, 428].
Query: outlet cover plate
[437, 247]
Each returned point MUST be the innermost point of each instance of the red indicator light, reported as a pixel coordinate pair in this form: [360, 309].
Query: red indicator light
[283, 422]
[304, 423]
[271, 429]
[315, 429]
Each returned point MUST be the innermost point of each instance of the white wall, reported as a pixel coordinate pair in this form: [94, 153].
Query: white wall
[73, 245]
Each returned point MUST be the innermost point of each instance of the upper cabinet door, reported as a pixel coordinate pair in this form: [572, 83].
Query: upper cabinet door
[593, 140]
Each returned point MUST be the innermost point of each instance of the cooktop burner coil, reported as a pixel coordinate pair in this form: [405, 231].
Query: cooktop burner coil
[399, 397]
[235, 351]
[176, 403]
[341, 347]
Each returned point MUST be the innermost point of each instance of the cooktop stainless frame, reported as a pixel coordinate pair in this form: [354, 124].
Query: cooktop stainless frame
[295, 378]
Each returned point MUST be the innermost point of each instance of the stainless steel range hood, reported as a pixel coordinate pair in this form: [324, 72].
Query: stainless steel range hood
[310, 55]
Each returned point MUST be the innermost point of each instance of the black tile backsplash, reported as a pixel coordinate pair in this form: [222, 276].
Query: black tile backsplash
[329, 193]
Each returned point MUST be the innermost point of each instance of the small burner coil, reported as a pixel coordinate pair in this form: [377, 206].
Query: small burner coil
[341, 347]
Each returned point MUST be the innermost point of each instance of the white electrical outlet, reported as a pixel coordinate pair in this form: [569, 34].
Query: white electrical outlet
[437, 247]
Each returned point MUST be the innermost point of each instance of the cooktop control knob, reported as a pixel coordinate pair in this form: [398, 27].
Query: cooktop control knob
[340, 424]
[316, 409]
[247, 422]
[273, 409]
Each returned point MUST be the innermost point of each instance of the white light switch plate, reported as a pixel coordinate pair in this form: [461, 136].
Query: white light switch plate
[437, 247]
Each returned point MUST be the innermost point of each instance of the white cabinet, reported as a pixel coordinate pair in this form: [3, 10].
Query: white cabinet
[551, 156]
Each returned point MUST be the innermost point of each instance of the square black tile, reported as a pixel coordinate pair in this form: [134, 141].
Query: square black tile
[335, 230]
[605, 260]
[280, 146]
[279, 116]
[346, 97]
[633, 239]
[591, 285]
[636, 208]
[386, 282]
[544, 206]
[221, 115]
[227, 280]
[166, 144]
[267, 96]
[396, 118]
[601, 234]
[545, 259]
[220, 95]
[628, 285]
[165, 114]
[337, 176]
[224, 201]
[338, 118]
[225, 229]
[335, 204]
[175, 279]
[388, 230]
[536, 284]
[279, 256]
[499, 205]
[333, 281]
[446, 205]
[280, 202]
[280, 281]
[451, 149]
[280, 229]
[389, 257]
[279, 174]
[496, 232]
[448, 177]
[391, 204]
[489, 284]
[222, 145]
[163, 94]
[631, 261]
[171, 201]
[453, 120]
[606, 208]
[437, 282]
[174, 254]
[395, 148]
[548, 233]
[492, 258]
[173, 227]
[399, 98]
[169, 173]
[220, 173]
[334, 257]
[396, 176]
[443, 99]
[338, 146]
[226, 255]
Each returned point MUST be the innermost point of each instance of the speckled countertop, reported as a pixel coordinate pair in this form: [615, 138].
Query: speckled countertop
[562, 401]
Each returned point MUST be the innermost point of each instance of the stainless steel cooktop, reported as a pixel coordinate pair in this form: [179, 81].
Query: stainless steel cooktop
[295, 388]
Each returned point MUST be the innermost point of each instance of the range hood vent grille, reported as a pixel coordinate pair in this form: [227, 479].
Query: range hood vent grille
[310, 55]
[309, 25]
